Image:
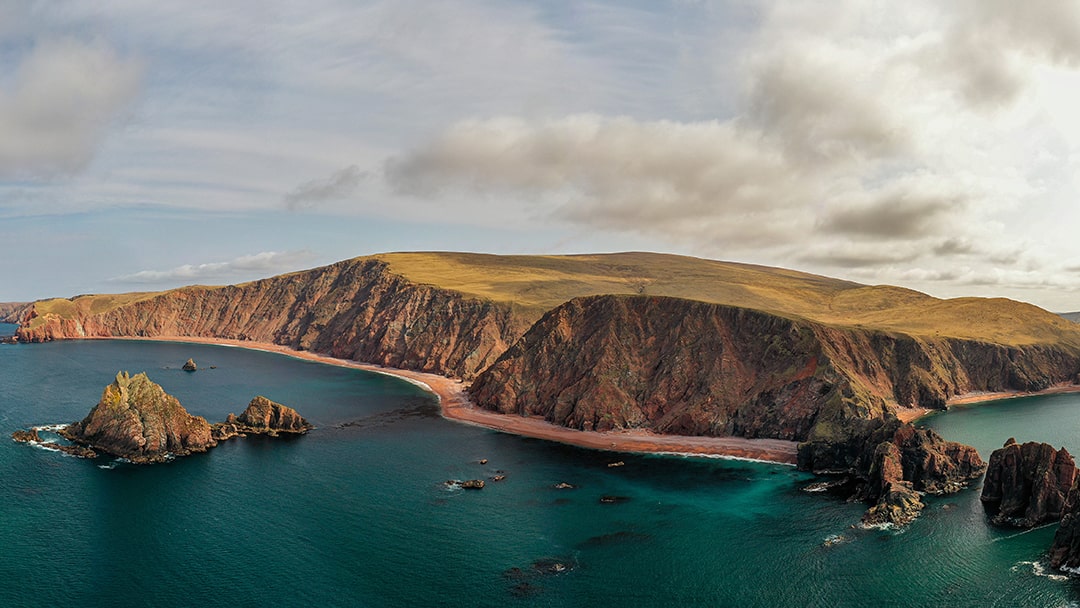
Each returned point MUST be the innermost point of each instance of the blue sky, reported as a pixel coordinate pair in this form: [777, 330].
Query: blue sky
[149, 145]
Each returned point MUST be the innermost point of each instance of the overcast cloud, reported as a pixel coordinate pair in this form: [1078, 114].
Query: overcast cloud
[934, 145]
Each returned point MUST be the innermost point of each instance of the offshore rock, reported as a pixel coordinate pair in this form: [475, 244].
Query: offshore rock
[26, 436]
[189, 366]
[1065, 550]
[906, 461]
[1027, 485]
[136, 419]
[899, 505]
[268, 417]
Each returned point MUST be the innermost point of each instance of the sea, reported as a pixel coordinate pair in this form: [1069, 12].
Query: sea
[357, 512]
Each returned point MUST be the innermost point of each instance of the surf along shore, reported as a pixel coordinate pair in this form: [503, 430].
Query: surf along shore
[457, 406]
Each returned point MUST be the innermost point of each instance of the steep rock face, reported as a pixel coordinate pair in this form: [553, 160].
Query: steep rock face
[1027, 485]
[355, 309]
[905, 461]
[136, 419]
[268, 416]
[1065, 550]
[12, 312]
[686, 367]
[672, 365]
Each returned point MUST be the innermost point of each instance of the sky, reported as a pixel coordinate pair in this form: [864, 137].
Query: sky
[933, 145]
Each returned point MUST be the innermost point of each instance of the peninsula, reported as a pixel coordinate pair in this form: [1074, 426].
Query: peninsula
[632, 347]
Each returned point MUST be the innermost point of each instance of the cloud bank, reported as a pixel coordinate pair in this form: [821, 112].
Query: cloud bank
[259, 265]
[864, 140]
[59, 104]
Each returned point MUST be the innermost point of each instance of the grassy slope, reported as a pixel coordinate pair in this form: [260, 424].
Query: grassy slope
[542, 282]
[535, 284]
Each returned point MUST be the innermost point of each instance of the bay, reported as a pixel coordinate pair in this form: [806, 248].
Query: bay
[356, 512]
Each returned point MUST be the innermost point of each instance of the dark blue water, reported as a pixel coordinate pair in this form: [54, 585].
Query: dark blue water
[355, 513]
[7, 329]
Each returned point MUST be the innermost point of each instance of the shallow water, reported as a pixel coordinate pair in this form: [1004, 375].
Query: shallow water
[356, 514]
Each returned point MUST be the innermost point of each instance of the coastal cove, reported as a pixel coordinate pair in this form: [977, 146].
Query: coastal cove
[356, 513]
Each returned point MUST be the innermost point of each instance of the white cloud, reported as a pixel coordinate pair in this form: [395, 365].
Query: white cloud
[258, 265]
[59, 104]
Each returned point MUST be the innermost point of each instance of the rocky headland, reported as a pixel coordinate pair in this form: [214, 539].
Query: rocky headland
[637, 342]
[137, 420]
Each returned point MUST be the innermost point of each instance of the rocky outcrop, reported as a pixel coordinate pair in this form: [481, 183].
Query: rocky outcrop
[906, 461]
[12, 312]
[1027, 485]
[1065, 550]
[190, 366]
[356, 309]
[136, 419]
[264, 416]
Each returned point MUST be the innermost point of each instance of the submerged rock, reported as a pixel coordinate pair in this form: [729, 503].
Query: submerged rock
[136, 419]
[1027, 485]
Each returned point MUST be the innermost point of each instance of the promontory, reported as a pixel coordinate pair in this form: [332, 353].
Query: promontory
[669, 344]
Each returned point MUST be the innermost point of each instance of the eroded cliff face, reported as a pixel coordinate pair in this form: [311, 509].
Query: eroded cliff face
[686, 367]
[675, 366]
[355, 309]
[1027, 485]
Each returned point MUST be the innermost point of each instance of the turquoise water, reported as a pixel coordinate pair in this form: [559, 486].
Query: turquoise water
[355, 513]
[7, 329]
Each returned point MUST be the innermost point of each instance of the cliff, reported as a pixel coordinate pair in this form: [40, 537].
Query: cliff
[673, 344]
[355, 309]
[12, 312]
[136, 419]
[1027, 485]
[694, 368]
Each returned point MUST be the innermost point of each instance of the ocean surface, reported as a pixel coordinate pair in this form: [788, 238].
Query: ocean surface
[356, 512]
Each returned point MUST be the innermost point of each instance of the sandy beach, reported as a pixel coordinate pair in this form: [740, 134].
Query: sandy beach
[456, 405]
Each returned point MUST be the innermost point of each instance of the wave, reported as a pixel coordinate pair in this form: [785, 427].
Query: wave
[723, 457]
[1038, 569]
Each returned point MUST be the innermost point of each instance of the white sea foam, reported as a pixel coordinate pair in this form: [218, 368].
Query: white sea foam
[722, 457]
[50, 428]
[1038, 569]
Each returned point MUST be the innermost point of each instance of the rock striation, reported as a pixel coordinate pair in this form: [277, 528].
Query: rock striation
[137, 420]
[1027, 485]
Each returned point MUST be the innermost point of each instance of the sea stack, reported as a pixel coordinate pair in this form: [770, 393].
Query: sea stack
[1027, 485]
[190, 366]
[136, 419]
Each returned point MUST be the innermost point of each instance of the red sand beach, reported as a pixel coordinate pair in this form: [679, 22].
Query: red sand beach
[457, 406]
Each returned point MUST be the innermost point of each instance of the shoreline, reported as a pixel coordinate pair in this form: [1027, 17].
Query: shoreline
[455, 405]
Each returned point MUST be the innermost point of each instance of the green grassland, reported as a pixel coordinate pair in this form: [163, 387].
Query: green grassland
[535, 284]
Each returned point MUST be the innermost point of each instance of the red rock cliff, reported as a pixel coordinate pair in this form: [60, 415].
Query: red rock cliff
[354, 309]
